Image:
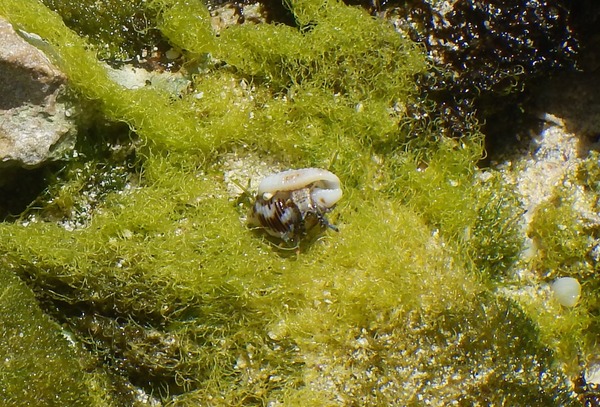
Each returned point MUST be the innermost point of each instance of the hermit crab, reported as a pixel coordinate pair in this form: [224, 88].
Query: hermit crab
[292, 202]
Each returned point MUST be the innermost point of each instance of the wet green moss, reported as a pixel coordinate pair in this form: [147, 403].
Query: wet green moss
[165, 281]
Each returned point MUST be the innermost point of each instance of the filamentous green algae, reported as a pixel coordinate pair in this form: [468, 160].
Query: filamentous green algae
[171, 293]
[40, 365]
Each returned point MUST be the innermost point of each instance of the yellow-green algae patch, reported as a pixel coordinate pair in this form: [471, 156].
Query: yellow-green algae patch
[564, 245]
[39, 364]
[168, 286]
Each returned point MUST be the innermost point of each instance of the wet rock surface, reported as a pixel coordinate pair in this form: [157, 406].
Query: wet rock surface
[487, 44]
[486, 53]
[34, 124]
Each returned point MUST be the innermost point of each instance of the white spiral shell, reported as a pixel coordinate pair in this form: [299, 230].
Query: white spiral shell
[291, 202]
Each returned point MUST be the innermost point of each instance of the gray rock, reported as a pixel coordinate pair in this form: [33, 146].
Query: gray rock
[35, 126]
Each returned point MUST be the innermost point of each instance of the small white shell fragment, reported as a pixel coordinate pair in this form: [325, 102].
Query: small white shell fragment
[292, 180]
[291, 202]
[566, 291]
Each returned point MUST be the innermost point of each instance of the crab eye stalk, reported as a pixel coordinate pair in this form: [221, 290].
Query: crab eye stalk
[291, 202]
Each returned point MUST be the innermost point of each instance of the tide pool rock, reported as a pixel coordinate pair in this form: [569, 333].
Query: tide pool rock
[35, 125]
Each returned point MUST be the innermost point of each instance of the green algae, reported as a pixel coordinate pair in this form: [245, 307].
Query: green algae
[558, 230]
[39, 364]
[167, 285]
[119, 30]
[564, 241]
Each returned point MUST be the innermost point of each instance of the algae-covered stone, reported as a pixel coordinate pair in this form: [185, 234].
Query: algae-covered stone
[120, 30]
[39, 364]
